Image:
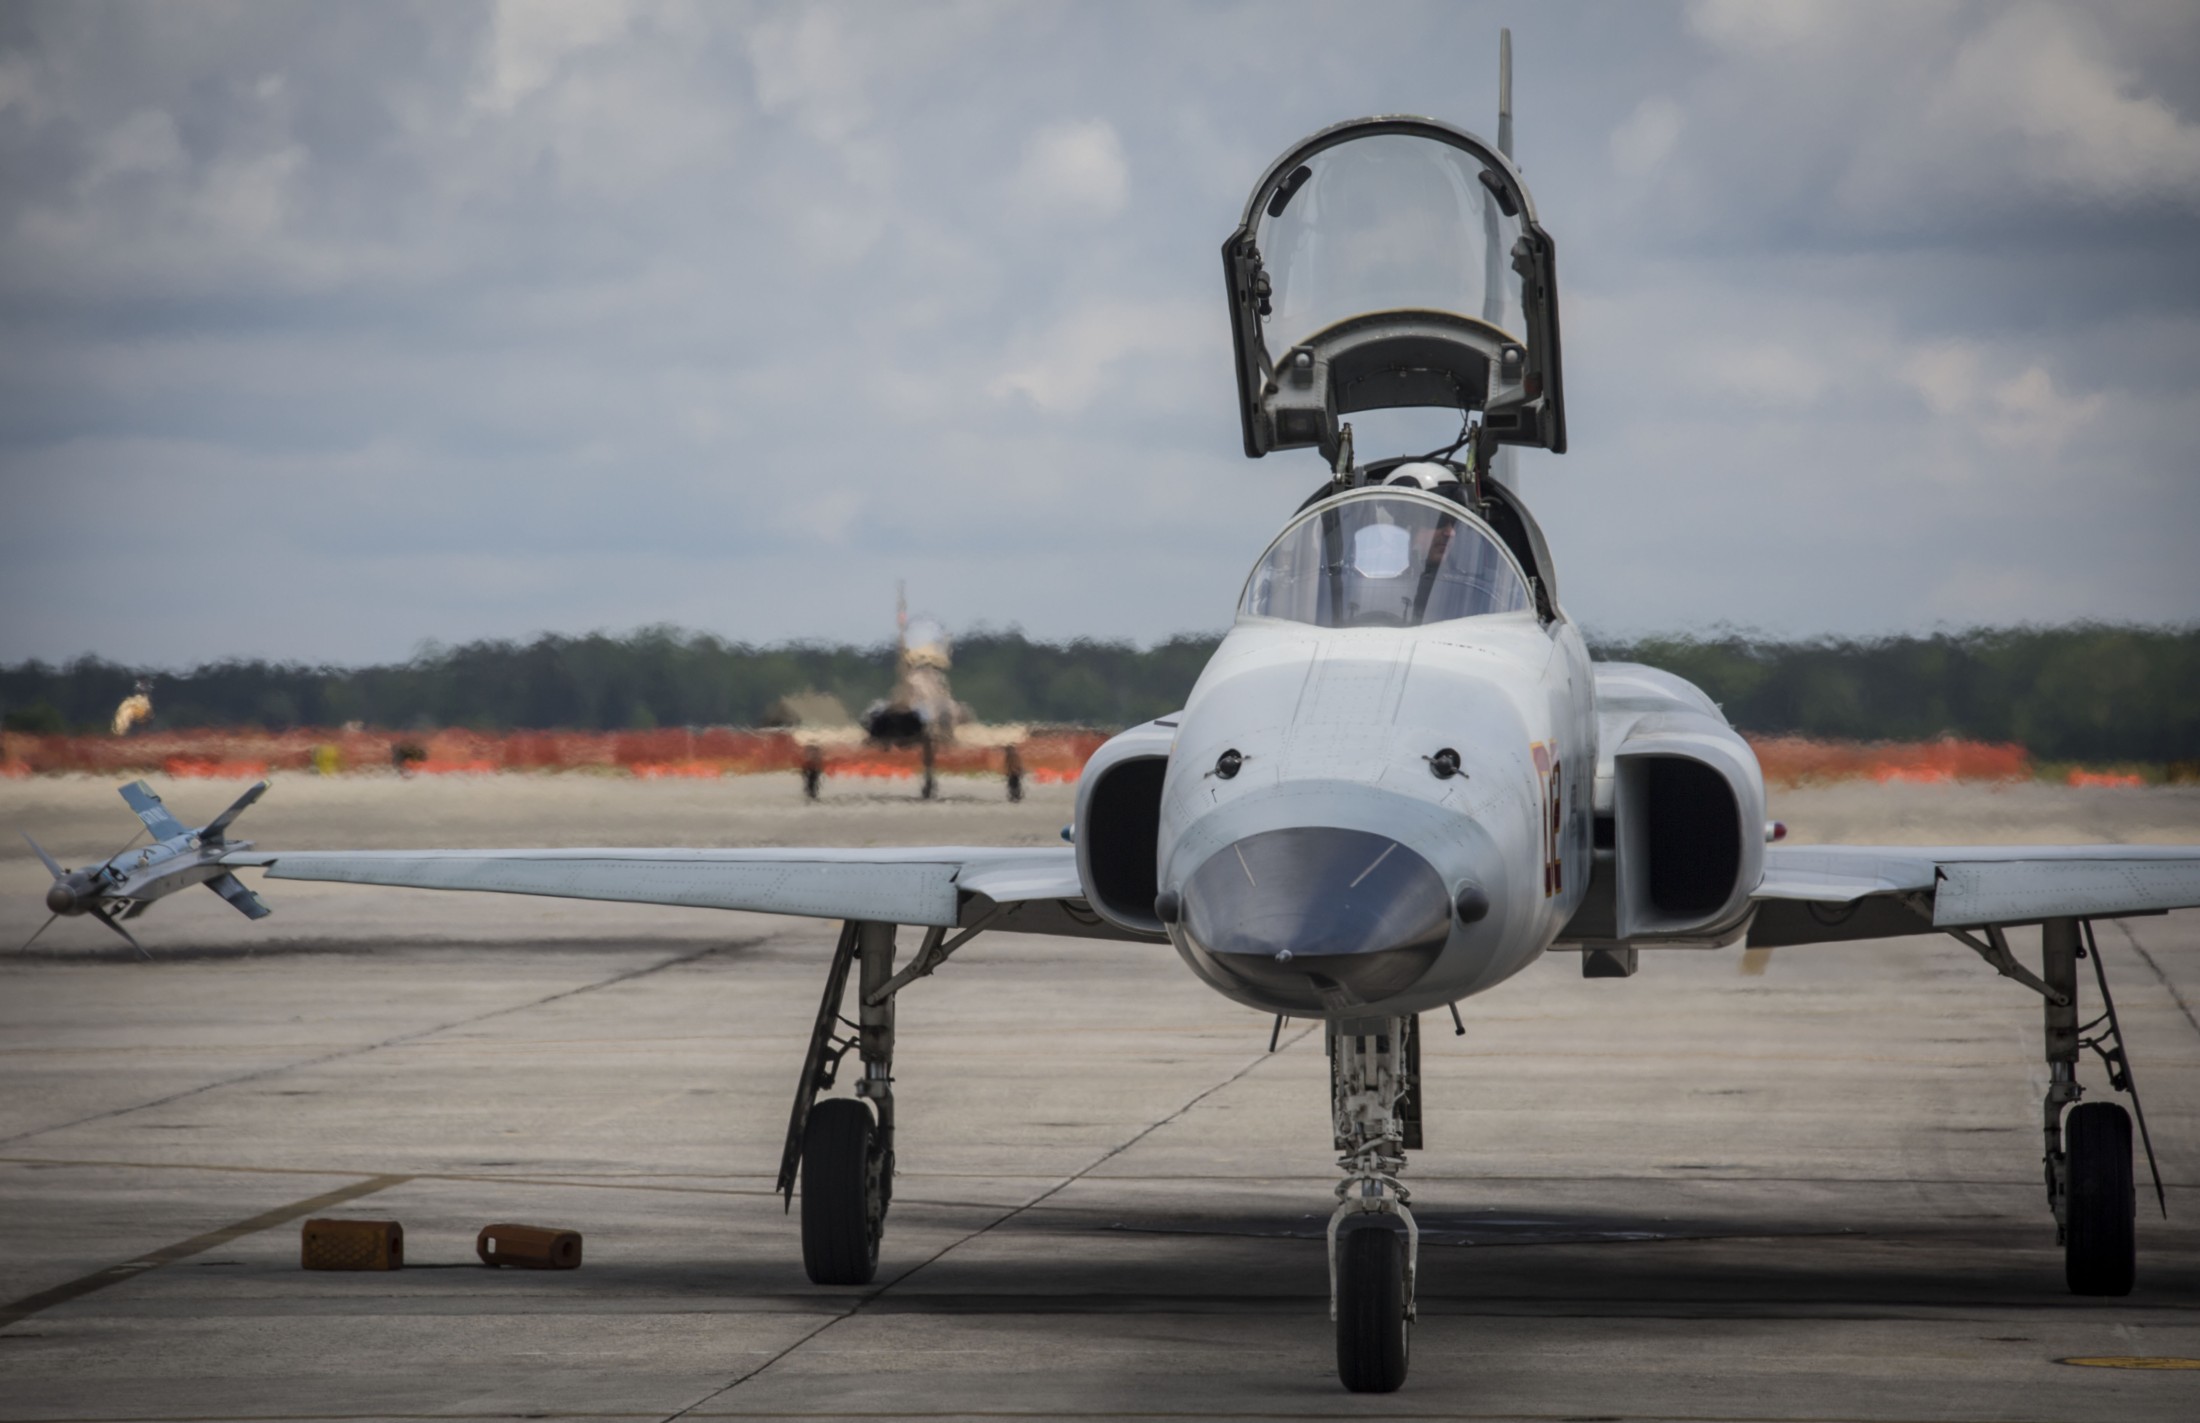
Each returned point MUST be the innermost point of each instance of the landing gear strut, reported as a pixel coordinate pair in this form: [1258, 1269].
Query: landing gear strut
[844, 1147]
[2087, 1156]
[1374, 1245]
[2088, 1152]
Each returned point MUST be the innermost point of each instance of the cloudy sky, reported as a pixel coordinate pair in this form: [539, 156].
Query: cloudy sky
[332, 328]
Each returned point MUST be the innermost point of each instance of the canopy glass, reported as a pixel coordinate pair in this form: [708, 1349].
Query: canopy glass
[1384, 560]
[1389, 222]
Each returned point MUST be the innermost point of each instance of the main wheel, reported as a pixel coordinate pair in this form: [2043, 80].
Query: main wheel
[2099, 1247]
[843, 1208]
[1373, 1333]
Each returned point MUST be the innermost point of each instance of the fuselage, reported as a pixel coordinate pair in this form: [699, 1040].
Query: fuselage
[1369, 811]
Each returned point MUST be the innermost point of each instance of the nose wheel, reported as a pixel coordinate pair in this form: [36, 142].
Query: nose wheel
[1373, 1242]
[1374, 1331]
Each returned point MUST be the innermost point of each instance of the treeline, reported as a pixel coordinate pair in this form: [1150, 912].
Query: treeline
[2088, 692]
[651, 678]
[2082, 693]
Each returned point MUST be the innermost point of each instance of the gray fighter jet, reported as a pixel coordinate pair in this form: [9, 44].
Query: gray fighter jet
[1399, 782]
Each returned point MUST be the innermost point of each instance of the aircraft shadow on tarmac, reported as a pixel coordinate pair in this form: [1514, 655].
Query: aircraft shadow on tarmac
[1507, 1259]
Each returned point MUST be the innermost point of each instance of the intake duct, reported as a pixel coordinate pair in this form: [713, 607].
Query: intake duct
[1119, 825]
[1688, 837]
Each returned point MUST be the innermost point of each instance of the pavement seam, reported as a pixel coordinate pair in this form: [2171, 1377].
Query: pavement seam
[2175, 996]
[1065, 1183]
[24, 1308]
[399, 1040]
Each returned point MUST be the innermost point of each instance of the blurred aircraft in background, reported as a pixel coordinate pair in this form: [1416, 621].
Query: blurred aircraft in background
[921, 710]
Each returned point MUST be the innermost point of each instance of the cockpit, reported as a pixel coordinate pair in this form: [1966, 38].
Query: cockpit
[1385, 558]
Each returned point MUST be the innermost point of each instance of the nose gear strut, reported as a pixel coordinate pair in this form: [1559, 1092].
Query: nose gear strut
[1372, 1072]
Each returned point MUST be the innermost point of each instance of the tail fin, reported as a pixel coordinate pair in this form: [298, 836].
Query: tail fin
[213, 829]
[47, 860]
[229, 887]
[149, 809]
[107, 918]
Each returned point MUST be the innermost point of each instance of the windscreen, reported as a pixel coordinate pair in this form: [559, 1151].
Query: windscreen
[1384, 561]
[1387, 222]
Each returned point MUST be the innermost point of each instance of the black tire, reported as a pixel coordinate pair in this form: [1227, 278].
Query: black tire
[1373, 1334]
[843, 1215]
[2099, 1241]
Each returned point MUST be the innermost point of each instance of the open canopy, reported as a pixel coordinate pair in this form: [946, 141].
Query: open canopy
[1392, 262]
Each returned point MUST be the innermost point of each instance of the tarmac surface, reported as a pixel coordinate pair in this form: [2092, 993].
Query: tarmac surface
[1811, 1192]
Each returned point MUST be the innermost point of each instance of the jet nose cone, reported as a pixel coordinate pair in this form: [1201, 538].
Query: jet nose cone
[1316, 919]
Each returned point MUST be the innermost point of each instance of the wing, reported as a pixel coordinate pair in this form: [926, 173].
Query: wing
[1817, 893]
[1032, 891]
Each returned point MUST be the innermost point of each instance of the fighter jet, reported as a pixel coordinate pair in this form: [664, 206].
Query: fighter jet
[921, 710]
[1400, 781]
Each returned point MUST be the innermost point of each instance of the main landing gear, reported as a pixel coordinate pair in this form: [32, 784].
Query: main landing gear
[2088, 1151]
[1374, 1245]
[844, 1146]
[2087, 1156]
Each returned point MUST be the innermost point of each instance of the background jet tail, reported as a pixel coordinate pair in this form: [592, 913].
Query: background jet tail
[229, 887]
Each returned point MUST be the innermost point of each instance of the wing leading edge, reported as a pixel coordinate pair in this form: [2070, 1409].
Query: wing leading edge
[1037, 889]
[1820, 893]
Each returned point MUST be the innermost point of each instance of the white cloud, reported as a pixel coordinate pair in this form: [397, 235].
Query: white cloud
[1768, 375]
[1761, 26]
[1074, 170]
[145, 143]
[1647, 137]
[1093, 348]
[2039, 78]
[531, 39]
[2024, 411]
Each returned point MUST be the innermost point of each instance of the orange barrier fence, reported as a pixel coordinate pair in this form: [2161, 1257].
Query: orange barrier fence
[1048, 756]
[1797, 760]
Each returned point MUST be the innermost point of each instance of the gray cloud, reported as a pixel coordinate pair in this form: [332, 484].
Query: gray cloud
[333, 328]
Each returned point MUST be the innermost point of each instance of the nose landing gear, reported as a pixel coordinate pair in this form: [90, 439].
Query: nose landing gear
[1374, 1245]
